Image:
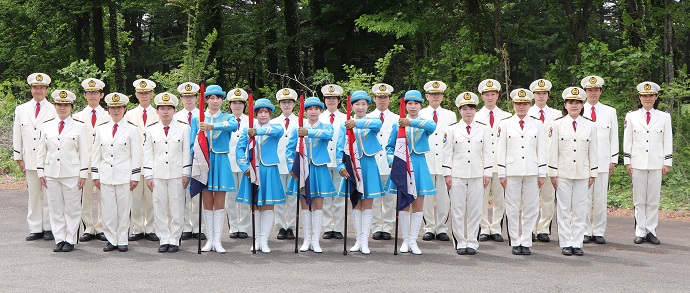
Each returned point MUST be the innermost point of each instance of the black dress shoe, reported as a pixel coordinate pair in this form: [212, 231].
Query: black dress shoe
[87, 237]
[497, 237]
[201, 236]
[578, 251]
[328, 235]
[516, 250]
[599, 239]
[58, 247]
[186, 235]
[234, 235]
[652, 239]
[242, 235]
[461, 251]
[122, 248]
[281, 234]
[68, 247]
[48, 235]
[163, 248]
[109, 247]
[567, 251]
[34, 236]
[386, 236]
[173, 248]
[587, 239]
[377, 235]
[543, 237]
[289, 234]
[639, 240]
[152, 237]
[428, 236]
[101, 236]
[525, 250]
[471, 251]
[442, 237]
[338, 235]
[136, 237]
[483, 237]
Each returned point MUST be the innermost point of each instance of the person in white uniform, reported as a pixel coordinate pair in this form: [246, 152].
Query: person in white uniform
[333, 207]
[521, 156]
[285, 213]
[647, 155]
[437, 206]
[547, 195]
[167, 168]
[238, 214]
[607, 130]
[62, 165]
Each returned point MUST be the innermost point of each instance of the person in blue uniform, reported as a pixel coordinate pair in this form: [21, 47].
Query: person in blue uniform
[316, 137]
[218, 127]
[270, 191]
[418, 130]
[365, 149]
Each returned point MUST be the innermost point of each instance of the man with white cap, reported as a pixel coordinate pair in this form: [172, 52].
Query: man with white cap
[285, 213]
[92, 116]
[383, 207]
[436, 207]
[142, 200]
[167, 168]
[238, 214]
[62, 164]
[648, 155]
[606, 120]
[490, 114]
[26, 132]
[547, 195]
[521, 156]
[189, 93]
[333, 207]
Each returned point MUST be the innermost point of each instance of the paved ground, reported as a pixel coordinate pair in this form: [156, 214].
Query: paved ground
[617, 266]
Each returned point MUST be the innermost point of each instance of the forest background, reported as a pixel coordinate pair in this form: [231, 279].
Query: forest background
[266, 45]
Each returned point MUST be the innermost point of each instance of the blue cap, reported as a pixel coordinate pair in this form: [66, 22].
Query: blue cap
[359, 95]
[263, 103]
[414, 95]
[214, 90]
[313, 101]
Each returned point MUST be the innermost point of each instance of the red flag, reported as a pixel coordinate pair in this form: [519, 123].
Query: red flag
[402, 172]
[300, 167]
[252, 149]
[200, 159]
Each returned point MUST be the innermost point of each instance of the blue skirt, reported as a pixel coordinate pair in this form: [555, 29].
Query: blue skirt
[422, 177]
[270, 192]
[320, 182]
[219, 178]
[371, 178]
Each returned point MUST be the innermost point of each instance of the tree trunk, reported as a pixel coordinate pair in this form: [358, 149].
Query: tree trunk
[669, 69]
[634, 10]
[98, 35]
[292, 49]
[578, 17]
[319, 45]
[118, 73]
[81, 35]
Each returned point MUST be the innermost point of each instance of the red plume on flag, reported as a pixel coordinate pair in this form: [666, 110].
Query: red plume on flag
[351, 162]
[200, 159]
[252, 149]
[402, 173]
[300, 167]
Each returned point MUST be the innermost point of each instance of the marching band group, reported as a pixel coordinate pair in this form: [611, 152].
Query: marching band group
[487, 169]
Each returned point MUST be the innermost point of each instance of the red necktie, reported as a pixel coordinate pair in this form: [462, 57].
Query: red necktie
[166, 130]
[61, 126]
[594, 115]
[491, 118]
[382, 117]
[287, 123]
[435, 117]
[144, 116]
[541, 116]
[93, 118]
[332, 117]
[189, 118]
[649, 117]
[114, 129]
[38, 109]
[238, 120]
[522, 124]
[574, 125]
[468, 129]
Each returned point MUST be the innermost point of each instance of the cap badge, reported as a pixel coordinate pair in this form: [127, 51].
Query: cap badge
[92, 83]
[188, 87]
[63, 94]
[238, 93]
[575, 91]
[165, 98]
[467, 97]
[142, 84]
[436, 84]
[489, 83]
[647, 87]
[39, 77]
[331, 89]
[116, 98]
[382, 88]
[541, 83]
[286, 92]
[522, 94]
[593, 80]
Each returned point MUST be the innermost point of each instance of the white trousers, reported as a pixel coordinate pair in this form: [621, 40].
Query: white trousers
[334, 207]
[383, 211]
[64, 199]
[492, 217]
[466, 210]
[437, 207]
[116, 204]
[38, 216]
[92, 221]
[168, 205]
[572, 208]
[522, 208]
[191, 212]
[547, 196]
[646, 193]
[238, 213]
[285, 213]
[142, 209]
[597, 202]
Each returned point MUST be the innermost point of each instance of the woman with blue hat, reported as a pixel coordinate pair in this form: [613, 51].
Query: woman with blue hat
[270, 191]
[418, 130]
[366, 147]
[218, 127]
[316, 137]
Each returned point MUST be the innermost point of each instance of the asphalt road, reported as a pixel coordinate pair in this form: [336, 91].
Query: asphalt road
[617, 266]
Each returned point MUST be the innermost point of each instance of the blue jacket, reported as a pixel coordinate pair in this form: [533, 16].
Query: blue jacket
[365, 138]
[219, 137]
[417, 137]
[267, 138]
[315, 144]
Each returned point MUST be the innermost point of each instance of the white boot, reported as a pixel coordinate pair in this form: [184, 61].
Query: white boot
[208, 219]
[357, 219]
[257, 231]
[316, 220]
[218, 221]
[366, 228]
[267, 218]
[404, 219]
[416, 223]
[305, 221]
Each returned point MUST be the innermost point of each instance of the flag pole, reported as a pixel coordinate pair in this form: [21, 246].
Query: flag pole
[300, 123]
[202, 89]
[348, 132]
[250, 113]
[397, 198]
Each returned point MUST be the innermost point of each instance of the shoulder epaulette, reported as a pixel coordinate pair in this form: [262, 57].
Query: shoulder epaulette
[453, 123]
[507, 118]
[130, 122]
[51, 119]
[154, 123]
[588, 118]
[534, 117]
[558, 118]
[183, 122]
[78, 120]
[482, 123]
[103, 123]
